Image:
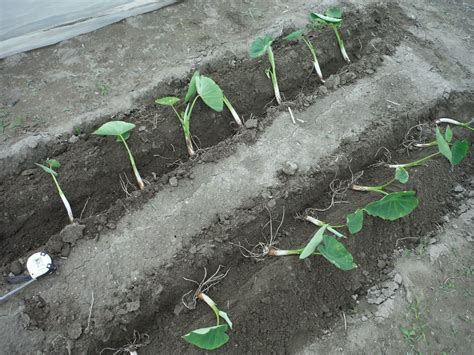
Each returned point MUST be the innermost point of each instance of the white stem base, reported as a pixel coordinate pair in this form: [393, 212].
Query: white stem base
[344, 55]
[318, 71]
[68, 207]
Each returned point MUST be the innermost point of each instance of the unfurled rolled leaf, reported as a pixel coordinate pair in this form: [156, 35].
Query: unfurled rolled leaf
[295, 35]
[334, 12]
[317, 238]
[448, 135]
[192, 87]
[210, 93]
[336, 253]
[459, 151]
[443, 146]
[393, 206]
[47, 169]
[208, 338]
[401, 175]
[355, 221]
[167, 100]
[314, 16]
[260, 45]
[226, 318]
[114, 128]
[55, 164]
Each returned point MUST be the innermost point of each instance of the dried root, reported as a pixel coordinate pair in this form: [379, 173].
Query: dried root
[189, 299]
[139, 340]
[262, 249]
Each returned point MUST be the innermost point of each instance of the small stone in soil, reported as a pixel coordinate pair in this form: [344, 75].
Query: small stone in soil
[74, 331]
[16, 268]
[173, 181]
[66, 250]
[290, 168]
[251, 124]
[271, 203]
[72, 232]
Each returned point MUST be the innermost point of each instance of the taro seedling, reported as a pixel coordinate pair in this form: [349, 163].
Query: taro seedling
[332, 18]
[121, 131]
[209, 92]
[300, 34]
[213, 337]
[469, 125]
[258, 48]
[52, 164]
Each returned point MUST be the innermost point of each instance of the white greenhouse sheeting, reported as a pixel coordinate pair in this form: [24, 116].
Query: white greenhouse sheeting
[30, 24]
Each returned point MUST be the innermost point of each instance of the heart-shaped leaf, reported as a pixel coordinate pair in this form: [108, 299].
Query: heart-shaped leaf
[54, 163]
[192, 87]
[208, 338]
[334, 12]
[327, 19]
[295, 35]
[459, 151]
[317, 238]
[48, 169]
[226, 318]
[167, 100]
[336, 253]
[355, 221]
[260, 46]
[393, 206]
[114, 128]
[210, 93]
[443, 146]
[401, 174]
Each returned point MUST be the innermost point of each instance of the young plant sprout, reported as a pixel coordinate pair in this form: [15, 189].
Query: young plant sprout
[121, 131]
[259, 47]
[209, 92]
[54, 164]
[213, 337]
[300, 34]
[401, 175]
[332, 18]
[454, 152]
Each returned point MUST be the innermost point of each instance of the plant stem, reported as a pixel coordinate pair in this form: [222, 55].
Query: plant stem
[341, 45]
[141, 185]
[414, 163]
[64, 199]
[315, 59]
[273, 75]
[203, 297]
[185, 123]
[379, 188]
[426, 145]
[454, 122]
[278, 252]
[233, 112]
[330, 228]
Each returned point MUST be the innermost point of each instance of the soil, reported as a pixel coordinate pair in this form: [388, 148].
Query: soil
[119, 278]
[33, 214]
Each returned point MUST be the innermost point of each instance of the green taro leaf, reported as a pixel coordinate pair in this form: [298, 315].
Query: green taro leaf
[295, 35]
[326, 19]
[192, 87]
[336, 253]
[401, 174]
[260, 46]
[226, 318]
[54, 163]
[210, 93]
[448, 135]
[167, 100]
[334, 12]
[459, 151]
[47, 169]
[393, 206]
[355, 221]
[317, 238]
[443, 146]
[114, 128]
[208, 338]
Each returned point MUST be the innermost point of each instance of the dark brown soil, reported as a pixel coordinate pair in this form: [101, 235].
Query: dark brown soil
[281, 302]
[31, 211]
